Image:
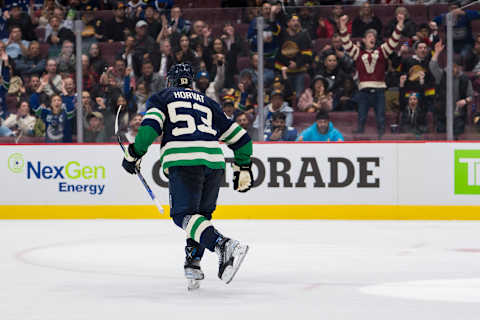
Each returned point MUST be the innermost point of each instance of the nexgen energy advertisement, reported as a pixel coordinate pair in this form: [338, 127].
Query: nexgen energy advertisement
[290, 175]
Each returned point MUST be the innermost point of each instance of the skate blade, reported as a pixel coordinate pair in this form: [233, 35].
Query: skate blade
[231, 271]
[193, 284]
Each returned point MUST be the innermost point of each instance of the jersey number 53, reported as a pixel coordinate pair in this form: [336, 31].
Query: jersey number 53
[191, 127]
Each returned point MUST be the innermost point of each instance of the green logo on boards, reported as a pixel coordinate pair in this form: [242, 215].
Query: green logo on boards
[467, 171]
[16, 162]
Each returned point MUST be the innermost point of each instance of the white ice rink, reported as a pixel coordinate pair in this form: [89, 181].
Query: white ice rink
[133, 269]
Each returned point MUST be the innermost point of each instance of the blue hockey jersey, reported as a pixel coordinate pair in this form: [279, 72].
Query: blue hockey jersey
[192, 126]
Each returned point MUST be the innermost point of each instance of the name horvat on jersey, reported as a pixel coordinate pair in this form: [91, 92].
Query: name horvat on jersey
[188, 95]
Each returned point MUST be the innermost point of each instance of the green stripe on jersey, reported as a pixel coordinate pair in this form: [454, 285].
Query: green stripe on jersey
[233, 134]
[190, 150]
[156, 114]
[195, 226]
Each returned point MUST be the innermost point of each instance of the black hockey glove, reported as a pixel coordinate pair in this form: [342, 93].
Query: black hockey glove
[242, 177]
[131, 161]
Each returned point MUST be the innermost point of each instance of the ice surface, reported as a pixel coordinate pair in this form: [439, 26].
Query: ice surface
[133, 269]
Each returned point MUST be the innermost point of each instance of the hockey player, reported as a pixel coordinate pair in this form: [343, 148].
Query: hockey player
[192, 125]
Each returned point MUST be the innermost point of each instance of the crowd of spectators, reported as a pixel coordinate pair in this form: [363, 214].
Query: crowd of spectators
[392, 65]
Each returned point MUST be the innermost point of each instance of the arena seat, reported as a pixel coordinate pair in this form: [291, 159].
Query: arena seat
[110, 50]
[104, 15]
[243, 63]
[40, 33]
[44, 49]
[11, 103]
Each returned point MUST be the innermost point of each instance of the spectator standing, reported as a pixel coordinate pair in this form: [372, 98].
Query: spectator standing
[271, 32]
[51, 82]
[419, 78]
[462, 28]
[328, 26]
[235, 47]
[321, 130]
[57, 118]
[371, 64]
[96, 61]
[144, 48]
[66, 59]
[17, 17]
[34, 88]
[177, 23]
[183, 52]
[166, 58]
[279, 130]
[472, 58]
[153, 26]
[366, 20]
[90, 77]
[120, 26]
[5, 74]
[295, 54]
[58, 36]
[307, 20]
[59, 13]
[409, 29]
[32, 62]
[462, 93]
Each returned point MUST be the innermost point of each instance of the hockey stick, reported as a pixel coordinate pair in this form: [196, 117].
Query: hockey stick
[137, 171]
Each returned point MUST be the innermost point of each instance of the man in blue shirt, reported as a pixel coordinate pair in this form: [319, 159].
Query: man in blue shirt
[321, 130]
[280, 131]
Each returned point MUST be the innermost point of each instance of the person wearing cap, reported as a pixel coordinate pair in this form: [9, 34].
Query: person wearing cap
[145, 45]
[279, 130]
[94, 130]
[278, 104]
[321, 130]
[120, 26]
[462, 92]
[210, 89]
[17, 17]
[295, 54]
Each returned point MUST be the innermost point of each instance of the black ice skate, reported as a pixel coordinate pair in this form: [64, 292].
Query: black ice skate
[193, 272]
[230, 256]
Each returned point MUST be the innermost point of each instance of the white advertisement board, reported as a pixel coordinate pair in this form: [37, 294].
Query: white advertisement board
[285, 174]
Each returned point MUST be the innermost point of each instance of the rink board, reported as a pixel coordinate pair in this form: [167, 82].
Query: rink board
[292, 181]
